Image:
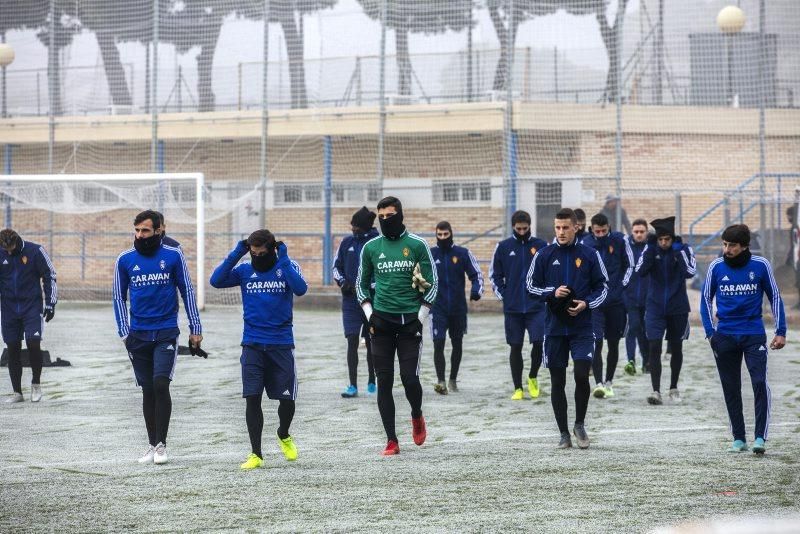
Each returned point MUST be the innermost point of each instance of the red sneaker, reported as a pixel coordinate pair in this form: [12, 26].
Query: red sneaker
[391, 449]
[418, 430]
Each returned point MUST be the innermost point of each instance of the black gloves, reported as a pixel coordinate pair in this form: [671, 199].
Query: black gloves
[49, 313]
[348, 289]
[475, 297]
[197, 351]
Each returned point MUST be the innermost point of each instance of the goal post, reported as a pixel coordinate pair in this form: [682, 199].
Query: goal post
[85, 220]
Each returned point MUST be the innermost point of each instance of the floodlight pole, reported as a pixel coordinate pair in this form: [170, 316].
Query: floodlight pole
[382, 98]
[154, 90]
[762, 149]
[264, 119]
[618, 98]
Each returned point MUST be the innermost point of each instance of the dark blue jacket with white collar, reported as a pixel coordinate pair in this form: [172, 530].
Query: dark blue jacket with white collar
[573, 265]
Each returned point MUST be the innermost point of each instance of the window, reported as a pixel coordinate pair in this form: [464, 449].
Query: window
[309, 194]
[462, 191]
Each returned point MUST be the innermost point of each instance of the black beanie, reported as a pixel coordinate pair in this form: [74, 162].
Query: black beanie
[665, 226]
[737, 233]
[363, 219]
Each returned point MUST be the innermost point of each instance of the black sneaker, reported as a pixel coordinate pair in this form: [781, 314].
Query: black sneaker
[566, 441]
[580, 435]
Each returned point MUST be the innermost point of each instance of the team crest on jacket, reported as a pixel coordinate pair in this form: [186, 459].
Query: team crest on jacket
[455, 260]
[279, 273]
[533, 251]
[578, 262]
[752, 275]
[162, 264]
[610, 249]
[406, 252]
[24, 260]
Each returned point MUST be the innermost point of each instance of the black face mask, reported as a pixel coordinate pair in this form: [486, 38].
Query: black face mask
[264, 262]
[740, 260]
[392, 227]
[445, 243]
[147, 245]
[524, 237]
[603, 240]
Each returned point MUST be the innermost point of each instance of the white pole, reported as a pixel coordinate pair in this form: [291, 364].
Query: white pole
[201, 244]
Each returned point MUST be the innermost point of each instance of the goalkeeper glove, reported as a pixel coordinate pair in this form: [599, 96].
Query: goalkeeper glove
[418, 281]
[367, 307]
[49, 313]
[422, 314]
[195, 350]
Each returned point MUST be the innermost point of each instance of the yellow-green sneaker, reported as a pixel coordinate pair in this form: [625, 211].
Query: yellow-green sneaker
[533, 387]
[288, 448]
[518, 395]
[253, 462]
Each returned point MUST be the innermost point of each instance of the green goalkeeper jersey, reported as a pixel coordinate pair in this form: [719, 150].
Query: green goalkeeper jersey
[391, 262]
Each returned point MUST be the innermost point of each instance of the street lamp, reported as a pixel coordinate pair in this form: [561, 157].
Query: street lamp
[6, 58]
[731, 20]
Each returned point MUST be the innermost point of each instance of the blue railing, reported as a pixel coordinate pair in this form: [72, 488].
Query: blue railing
[743, 210]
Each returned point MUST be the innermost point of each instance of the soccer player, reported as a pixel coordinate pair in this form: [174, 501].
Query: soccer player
[268, 282]
[396, 313]
[581, 233]
[669, 263]
[25, 269]
[609, 319]
[450, 309]
[738, 281]
[150, 272]
[510, 263]
[345, 272]
[635, 297]
[165, 239]
[570, 277]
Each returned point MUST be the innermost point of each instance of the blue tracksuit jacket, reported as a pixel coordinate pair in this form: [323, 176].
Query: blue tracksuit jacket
[23, 275]
[576, 266]
[345, 266]
[452, 264]
[151, 282]
[668, 270]
[618, 260]
[267, 296]
[635, 294]
[510, 263]
[739, 294]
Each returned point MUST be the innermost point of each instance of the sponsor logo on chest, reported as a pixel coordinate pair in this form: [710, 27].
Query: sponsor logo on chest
[393, 266]
[265, 286]
[150, 279]
[736, 289]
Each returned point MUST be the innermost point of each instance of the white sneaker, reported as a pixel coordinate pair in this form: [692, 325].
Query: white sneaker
[674, 395]
[16, 397]
[160, 454]
[36, 392]
[148, 456]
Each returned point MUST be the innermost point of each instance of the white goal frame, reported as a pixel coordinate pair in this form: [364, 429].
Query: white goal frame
[197, 177]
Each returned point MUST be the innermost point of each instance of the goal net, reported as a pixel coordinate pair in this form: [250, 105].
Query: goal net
[85, 221]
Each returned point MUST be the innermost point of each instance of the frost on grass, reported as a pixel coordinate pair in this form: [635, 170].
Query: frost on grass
[489, 463]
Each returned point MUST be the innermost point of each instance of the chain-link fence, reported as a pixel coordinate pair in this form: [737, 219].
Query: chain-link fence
[372, 97]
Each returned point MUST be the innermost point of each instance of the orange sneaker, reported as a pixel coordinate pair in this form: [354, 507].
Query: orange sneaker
[418, 430]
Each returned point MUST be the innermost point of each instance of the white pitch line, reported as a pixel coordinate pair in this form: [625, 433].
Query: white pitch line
[376, 444]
